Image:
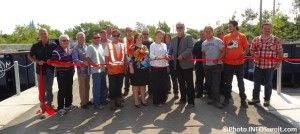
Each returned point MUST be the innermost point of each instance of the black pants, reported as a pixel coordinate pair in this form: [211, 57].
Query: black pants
[150, 84]
[173, 76]
[199, 71]
[186, 84]
[213, 77]
[65, 86]
[127, 82]
[115, 85]
[160, 88]
[238, 70]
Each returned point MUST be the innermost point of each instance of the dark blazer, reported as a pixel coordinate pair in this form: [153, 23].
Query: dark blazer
[184, 49]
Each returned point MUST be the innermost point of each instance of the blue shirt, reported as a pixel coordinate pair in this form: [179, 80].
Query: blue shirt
[78, 55]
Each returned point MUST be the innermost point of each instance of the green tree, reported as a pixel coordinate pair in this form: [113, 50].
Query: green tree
[249, 15]
[139, 26]
[163, 26]
[52, 33]
[87, 28]
[152, 29]
[193, 32]
[282, 27]
[266, 16]
[22, 35]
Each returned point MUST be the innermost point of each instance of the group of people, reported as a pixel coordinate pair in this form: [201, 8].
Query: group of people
[156, 63]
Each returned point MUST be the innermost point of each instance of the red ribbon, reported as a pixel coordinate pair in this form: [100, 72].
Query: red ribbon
[47, 109]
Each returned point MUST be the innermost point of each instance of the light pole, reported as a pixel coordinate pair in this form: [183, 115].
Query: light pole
[260, 14]
[273, 8]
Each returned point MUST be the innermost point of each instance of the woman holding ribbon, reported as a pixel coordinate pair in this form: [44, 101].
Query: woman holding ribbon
[139, 69]
[159, 69]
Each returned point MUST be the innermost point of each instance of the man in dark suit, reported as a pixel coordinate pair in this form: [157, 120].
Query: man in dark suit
[181, 49]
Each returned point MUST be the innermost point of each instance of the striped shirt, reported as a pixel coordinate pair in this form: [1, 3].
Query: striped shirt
[59, 54]
[266, 48]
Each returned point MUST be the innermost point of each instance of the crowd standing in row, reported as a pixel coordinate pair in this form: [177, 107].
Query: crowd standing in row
[156, 63]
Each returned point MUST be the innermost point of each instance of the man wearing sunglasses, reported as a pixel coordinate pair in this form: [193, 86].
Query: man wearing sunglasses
[181, 49]
[64, 74]
[94, 58]
[115, 56]
[147, 41]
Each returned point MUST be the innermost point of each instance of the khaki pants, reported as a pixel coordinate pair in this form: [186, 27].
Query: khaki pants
[84, 89]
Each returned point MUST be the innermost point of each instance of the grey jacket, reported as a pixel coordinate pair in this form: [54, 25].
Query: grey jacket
[185, 49]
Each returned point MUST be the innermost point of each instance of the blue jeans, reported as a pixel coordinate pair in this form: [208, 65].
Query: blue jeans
[259, 74]
[104, 88]
[99, 88]
[238, 70]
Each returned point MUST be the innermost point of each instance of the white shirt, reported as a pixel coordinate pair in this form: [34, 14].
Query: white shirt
[158, 51]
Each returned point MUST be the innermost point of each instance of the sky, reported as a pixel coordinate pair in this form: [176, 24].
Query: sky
[64, 14]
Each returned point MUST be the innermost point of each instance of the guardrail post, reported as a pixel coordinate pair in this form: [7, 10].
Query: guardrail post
[35, 75]
[17, 77]
[279, 72]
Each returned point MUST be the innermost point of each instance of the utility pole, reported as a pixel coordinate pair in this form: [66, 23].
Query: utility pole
[260, 14]
[273, 9]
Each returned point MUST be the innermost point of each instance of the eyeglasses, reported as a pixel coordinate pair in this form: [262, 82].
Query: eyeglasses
[145, 34]
[179, 27]
[116, 35]
[96, 37]
[64, 40]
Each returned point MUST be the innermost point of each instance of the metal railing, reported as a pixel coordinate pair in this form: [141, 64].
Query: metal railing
[17, 76]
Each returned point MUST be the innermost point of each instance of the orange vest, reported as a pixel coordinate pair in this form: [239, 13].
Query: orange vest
[116, 61]
[127, 42]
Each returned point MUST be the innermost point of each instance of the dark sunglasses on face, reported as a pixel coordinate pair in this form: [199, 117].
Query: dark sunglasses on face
[64, 40]
[96, 37]
[116, 35]
[179, 27]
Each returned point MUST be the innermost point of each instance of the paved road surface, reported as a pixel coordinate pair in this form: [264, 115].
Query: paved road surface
[165, 120]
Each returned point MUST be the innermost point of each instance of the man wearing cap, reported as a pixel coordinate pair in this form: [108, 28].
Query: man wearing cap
[128, 41]
[115, 56]
[236, 48]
